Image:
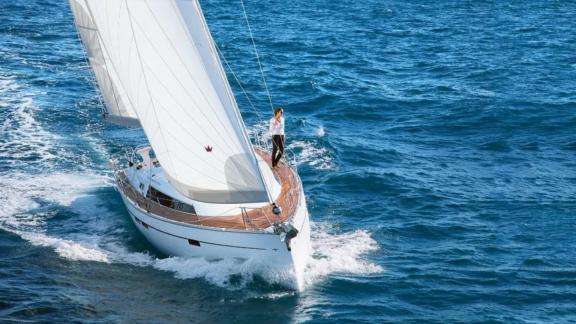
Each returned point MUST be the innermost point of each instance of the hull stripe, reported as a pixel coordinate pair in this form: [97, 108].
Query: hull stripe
[148, 226]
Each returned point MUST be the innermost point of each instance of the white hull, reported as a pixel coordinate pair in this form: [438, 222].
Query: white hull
[180, 239]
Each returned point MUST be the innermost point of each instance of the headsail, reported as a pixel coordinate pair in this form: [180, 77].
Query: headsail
[119, 110]
[166, 63]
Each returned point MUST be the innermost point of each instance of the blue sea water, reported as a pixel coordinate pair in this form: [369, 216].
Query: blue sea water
[435, 141]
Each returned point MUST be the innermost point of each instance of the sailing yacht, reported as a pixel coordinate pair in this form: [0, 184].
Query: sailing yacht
[201, 188]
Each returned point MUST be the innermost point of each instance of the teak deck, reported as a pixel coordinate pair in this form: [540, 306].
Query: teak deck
[253, 219]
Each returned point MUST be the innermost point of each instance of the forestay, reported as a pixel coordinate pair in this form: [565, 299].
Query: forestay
[163, 58]
[119, 110]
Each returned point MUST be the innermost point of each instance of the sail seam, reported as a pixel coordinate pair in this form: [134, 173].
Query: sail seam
[187, 114]
[230, 145]
[89, 28]
[234, 104]
[200, 158]
[145, 80]
[184, 146]
[103, 64]
[105, 49]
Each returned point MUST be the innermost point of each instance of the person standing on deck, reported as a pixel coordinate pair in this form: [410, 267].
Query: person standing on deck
[277, 133]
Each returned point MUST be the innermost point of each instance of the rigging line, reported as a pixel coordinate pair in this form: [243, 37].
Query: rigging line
[131, 46]
[231, 98]
[194, 120]
[237, 80]
[145, 80]
[189, 73]
[258, 116]
[185, 147]
[117, 90]
[257, 55]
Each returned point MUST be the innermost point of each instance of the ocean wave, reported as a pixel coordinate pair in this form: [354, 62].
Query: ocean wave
[339, 252]
[95, 234]
[24, 141]
[312, 154]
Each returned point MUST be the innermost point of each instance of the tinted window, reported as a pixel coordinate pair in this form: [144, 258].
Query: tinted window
[168, 201]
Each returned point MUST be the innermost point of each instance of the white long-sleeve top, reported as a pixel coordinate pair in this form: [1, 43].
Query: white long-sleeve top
[277, 127]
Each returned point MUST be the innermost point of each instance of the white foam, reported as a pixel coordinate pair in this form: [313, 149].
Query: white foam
[308, 152]
[342, 253]
[26, 143]
[92, 235]
[23, 138]
[320, 131]
[18, 197]
[87, 250]
[18, 190]
[259, 133]
[68, 249]
[333, 253]
[217, 272]
[119, 254]
[228, 272]
[20, 194]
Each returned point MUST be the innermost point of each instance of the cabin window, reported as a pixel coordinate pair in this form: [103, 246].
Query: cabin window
[167, 201]
[193, 242]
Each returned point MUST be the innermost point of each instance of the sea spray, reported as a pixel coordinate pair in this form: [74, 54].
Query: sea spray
[339, 252]
[312, 154]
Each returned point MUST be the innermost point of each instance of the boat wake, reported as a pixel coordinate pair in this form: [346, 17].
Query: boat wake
[32, 207]
[24, 142]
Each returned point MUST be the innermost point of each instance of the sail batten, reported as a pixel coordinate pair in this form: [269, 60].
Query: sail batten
[155, 62]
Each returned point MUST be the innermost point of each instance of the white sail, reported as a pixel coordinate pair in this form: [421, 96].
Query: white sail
[118, 108]
[166, 63]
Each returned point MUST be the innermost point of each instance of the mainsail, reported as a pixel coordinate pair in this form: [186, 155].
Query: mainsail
[119, 110]
[160, 61]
